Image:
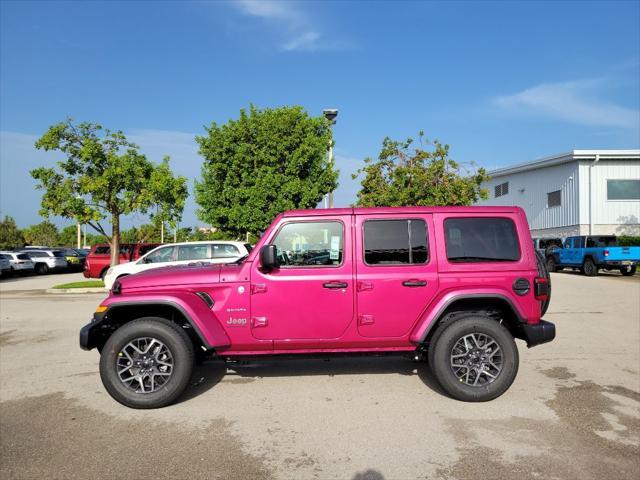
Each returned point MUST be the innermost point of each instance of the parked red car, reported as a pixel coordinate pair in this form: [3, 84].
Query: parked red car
[455, 284]
[99, 258]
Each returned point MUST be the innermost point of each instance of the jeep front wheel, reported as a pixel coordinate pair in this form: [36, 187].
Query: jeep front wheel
[474, 358]
[147, 363]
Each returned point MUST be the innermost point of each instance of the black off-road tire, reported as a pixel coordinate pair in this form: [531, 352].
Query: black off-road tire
[173, 337]
[628, 271]
[442, 344]
[551, 264]
[589, 268]
[103, 274]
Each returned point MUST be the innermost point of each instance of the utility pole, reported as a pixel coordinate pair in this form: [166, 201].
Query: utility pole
[330, 114]
[79, 235]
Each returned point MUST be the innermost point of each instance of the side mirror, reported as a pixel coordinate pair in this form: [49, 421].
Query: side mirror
[269, 257]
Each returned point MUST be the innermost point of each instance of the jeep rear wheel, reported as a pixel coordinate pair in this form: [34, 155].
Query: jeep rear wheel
[628, 270]
[589, 268]
[474, 358]
[147, 363]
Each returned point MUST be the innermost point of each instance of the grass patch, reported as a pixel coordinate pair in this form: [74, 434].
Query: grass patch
[85, 284]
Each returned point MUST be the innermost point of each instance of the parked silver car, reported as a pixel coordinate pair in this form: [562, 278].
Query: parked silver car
[47, 260]
[19, 262]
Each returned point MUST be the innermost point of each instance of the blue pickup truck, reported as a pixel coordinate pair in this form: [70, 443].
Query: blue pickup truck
[591, 253]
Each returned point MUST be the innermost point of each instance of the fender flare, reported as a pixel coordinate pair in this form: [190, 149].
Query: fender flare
[212, 335]
[426, 324]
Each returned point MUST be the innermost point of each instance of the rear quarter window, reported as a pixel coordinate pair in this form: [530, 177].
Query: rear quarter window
[481, 239]
[102, 250]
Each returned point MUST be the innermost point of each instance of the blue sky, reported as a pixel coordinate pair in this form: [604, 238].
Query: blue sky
[501, 82]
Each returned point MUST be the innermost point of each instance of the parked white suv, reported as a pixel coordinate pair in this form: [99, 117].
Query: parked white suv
[180, 254]
[46, 260]
[19, 262]
[5, 265]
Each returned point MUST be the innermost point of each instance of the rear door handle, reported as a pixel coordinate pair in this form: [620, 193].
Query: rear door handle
[335, 285]
[414, 283]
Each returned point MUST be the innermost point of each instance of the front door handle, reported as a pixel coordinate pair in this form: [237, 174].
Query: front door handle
[335, 285]
[414, 283]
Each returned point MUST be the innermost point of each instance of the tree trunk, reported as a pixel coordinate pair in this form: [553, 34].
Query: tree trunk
[115, 240]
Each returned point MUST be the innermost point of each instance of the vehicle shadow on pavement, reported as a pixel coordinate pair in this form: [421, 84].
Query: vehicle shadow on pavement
[212, 372]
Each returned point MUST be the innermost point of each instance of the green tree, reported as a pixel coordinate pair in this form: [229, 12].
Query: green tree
[10, 235]
[44, 233]
[405, 175]
[104, 176]
[265, 162]
[68, 236]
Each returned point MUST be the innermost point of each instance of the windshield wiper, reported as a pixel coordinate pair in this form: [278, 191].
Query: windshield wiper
[239, 260]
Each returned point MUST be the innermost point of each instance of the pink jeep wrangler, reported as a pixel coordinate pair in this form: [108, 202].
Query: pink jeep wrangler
[457, 284]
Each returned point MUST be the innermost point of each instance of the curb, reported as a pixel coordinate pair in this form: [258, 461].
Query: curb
[76, 290]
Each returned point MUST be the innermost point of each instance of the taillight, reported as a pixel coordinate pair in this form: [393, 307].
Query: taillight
[606, 253]
[541, 288]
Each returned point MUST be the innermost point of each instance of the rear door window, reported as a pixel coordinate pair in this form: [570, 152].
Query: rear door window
[193, 252]
[223, 250]
[481, 240]
[395, 242]
[102, 250]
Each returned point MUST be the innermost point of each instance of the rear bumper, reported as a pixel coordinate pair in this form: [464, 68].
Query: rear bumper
[542, 332]
[619, 263]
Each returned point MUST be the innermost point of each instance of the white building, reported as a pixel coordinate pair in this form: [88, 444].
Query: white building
[581, 192]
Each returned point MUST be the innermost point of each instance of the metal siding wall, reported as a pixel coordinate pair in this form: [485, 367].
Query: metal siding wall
[614, 211]
[536, 185]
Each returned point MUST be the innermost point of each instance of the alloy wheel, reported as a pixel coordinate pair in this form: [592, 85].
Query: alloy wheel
[476, 359]
[144, 365]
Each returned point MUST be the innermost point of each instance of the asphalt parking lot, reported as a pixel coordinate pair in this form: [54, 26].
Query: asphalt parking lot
[573, 411]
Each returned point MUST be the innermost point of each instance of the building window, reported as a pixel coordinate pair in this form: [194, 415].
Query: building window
[501, 189]
[554, 199]
[623, 189]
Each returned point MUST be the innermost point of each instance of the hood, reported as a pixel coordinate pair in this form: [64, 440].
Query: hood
[172, 276]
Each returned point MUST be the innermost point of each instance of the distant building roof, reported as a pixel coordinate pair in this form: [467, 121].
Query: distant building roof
[567, 157]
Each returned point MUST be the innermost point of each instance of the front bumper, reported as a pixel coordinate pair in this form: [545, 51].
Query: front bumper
[542, 332]
[93, 333]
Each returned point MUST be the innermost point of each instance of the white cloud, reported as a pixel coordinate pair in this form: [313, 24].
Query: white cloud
[307, 41]
[278, 10]
[575, 102]
[299, 27]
